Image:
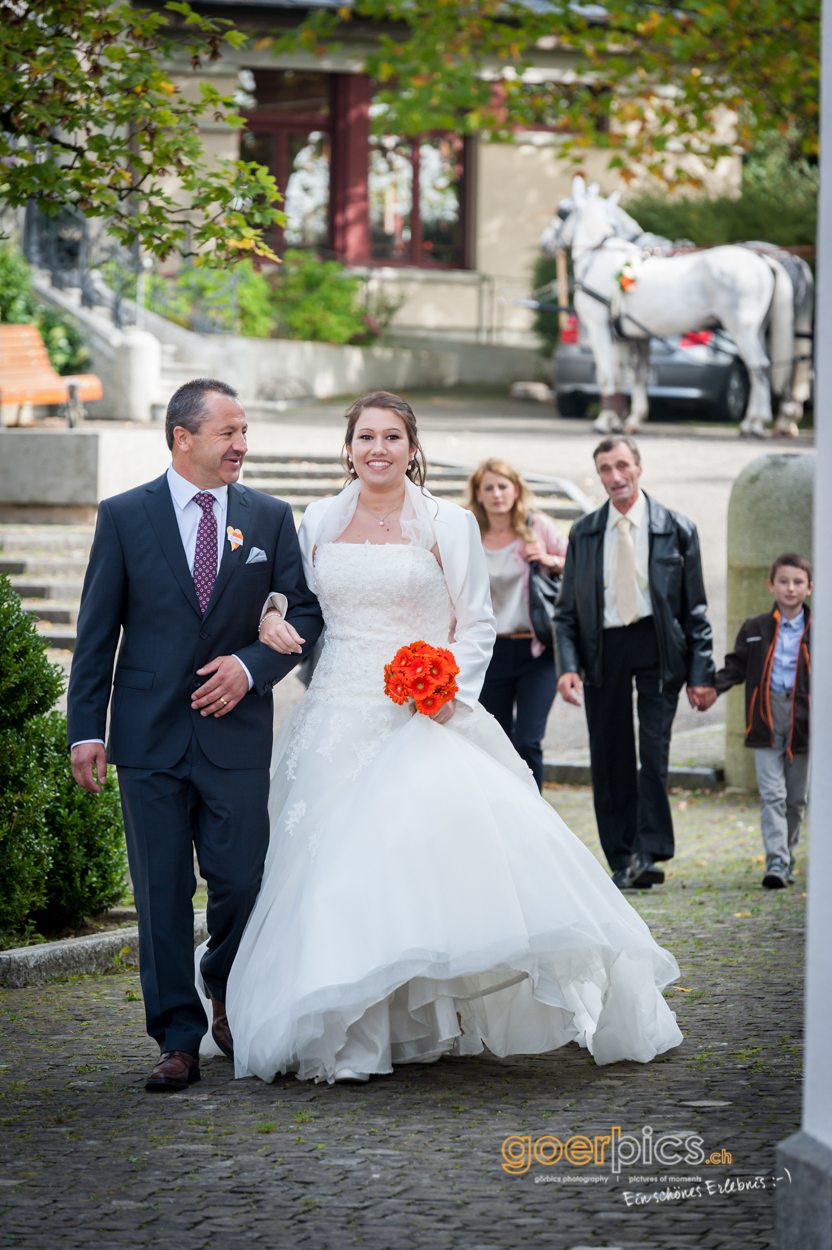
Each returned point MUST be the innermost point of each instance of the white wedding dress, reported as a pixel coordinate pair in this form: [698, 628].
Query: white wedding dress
[419, 896]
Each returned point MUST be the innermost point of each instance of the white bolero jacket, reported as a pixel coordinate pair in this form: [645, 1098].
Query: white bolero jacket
[428, 521]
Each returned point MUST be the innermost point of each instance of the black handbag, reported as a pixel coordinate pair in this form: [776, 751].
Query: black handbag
[543, 595]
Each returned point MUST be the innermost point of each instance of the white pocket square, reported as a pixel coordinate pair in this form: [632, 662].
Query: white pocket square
[256, 555]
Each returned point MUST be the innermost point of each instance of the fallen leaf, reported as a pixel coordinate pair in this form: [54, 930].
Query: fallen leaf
[742, 913]
[680, 989]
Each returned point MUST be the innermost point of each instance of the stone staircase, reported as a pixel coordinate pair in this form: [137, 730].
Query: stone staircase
[46, 564]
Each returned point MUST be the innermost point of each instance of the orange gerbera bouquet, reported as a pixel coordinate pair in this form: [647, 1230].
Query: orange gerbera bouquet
[423, 674]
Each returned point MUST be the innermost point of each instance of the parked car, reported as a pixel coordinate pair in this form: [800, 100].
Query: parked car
[700, 369]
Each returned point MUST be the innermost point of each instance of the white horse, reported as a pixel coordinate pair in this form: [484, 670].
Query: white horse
[624, 296]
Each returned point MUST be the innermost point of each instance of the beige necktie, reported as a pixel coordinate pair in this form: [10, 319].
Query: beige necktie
[626, 587]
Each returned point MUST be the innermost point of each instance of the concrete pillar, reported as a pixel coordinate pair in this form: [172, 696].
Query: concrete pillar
[139, 371]
[770, 512]
[804, 1206]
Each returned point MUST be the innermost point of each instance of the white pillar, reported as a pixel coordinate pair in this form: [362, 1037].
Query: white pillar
[804, 1208]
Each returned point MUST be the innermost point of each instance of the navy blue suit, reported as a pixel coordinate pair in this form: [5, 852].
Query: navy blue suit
[185, 779]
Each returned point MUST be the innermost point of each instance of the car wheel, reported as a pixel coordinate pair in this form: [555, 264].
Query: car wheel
[572, 404]
[732, 403]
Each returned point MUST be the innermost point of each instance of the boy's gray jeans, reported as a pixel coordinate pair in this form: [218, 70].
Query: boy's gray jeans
[783, 783]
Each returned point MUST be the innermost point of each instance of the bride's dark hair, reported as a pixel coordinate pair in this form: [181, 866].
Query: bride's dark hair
[417, 470]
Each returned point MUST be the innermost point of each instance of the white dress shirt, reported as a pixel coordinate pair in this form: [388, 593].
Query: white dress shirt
[638, 518]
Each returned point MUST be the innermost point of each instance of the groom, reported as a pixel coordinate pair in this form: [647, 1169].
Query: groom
[179, 573]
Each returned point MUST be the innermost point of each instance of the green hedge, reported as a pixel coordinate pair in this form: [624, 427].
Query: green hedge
[88, 867]
[62, 854]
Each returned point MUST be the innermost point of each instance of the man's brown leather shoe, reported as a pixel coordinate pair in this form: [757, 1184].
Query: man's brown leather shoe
[221, 1030]
[175, 1070]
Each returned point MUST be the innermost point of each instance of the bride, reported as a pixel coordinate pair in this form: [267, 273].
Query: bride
[419, 897]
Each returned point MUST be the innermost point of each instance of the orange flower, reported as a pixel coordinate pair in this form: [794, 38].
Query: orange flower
[441, 666]
[429, 705]
[395, 684]
[412, 662]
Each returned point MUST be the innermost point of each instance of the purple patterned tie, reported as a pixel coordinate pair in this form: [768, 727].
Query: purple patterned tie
[205, 554]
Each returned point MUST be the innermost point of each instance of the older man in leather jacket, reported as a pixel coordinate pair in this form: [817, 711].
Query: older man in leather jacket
[632, 607]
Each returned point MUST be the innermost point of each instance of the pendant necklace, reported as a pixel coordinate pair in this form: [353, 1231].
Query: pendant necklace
[375, 514]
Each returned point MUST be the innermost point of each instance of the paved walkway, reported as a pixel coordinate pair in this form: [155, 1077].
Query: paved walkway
[414, 1160]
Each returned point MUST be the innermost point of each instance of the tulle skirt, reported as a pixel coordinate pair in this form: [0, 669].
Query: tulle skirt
[420, 897]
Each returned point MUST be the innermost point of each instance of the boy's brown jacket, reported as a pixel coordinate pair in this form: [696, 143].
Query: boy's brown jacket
[751, 662]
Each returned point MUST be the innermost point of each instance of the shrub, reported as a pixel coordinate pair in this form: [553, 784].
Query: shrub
[25, 841]
[64, 341]
[545, 324]
[778, 204]
[61, 848]
[209, 300]
[88, 855]
[315, 299]
[18, 306]
[29, 684]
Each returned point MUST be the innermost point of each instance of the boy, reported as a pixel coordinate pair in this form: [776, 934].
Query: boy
[771, 655]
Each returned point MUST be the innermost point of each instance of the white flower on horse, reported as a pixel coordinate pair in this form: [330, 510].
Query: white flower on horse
[626, 276]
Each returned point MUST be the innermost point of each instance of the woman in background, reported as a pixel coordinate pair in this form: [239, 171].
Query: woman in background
[521, 681]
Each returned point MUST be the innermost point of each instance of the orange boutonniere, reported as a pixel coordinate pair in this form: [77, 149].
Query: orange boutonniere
[423, 674]
[235, 537]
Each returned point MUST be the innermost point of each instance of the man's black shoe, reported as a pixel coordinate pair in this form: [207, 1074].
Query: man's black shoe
[644, 872]
[623, 878]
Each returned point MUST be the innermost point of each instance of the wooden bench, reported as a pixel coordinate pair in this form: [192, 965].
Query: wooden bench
[28, 377]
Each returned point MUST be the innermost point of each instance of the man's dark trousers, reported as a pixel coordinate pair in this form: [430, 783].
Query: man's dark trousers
[631, 808]
[223, 812]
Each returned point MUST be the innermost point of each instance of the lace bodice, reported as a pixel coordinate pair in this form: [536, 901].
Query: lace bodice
[375, 598]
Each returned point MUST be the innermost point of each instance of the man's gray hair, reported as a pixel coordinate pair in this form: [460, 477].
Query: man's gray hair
[187, 405]
[612, 441]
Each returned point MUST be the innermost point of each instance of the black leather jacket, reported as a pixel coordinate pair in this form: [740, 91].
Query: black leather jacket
[677, 592]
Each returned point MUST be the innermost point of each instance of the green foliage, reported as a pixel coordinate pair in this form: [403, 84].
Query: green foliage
[545, 324]
[90, 118]
[61, 849]
[18, 306]
[315, 299]
[646, 85]
[64, 341]
[17, 300]
[778, 204]
[25, 843]
[29, 684]
[89, 859]
[305, 298]
[238, 302]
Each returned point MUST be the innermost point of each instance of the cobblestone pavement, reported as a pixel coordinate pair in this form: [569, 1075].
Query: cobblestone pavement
[414, 1160]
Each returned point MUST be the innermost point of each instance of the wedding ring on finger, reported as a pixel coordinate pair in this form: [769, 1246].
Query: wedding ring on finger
[223, 701]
